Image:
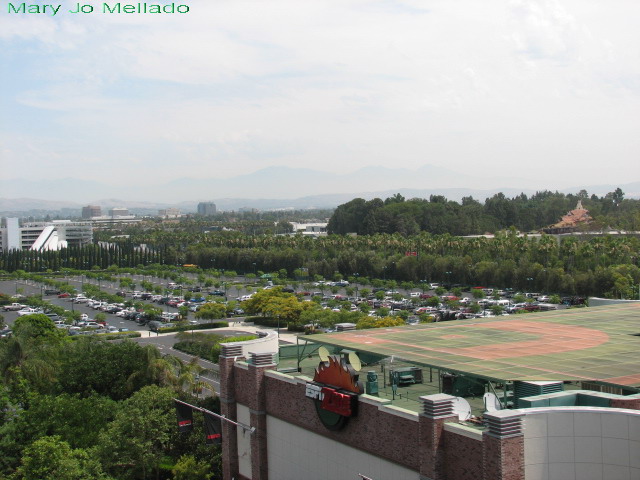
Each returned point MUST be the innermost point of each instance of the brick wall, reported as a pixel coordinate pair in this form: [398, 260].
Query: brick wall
[463, 457]
[631, 403]
[503, 458]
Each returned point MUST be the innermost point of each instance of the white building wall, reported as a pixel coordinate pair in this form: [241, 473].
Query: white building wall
[244, 442]
[13, 234]
[295, 453]
[581, 443]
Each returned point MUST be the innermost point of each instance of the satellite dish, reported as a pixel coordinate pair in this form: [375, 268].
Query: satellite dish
[323, 353]
[355, 362]
[491, 402]
[462, 408]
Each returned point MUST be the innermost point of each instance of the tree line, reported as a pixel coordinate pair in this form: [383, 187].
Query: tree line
[101, 256]
[438, 215]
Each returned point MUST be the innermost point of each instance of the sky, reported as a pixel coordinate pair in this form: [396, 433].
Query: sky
[547, 91]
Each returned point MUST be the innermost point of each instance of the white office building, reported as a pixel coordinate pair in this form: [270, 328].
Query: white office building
[44, 235]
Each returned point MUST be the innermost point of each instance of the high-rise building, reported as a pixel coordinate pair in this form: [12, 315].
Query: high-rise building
[91, 211]
[206, 209]
[118, 212]
[169, 212]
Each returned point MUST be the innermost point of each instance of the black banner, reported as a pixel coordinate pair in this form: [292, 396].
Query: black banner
[212, 428]
[185, 417]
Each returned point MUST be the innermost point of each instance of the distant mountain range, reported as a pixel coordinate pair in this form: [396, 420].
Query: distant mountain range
[269, 189]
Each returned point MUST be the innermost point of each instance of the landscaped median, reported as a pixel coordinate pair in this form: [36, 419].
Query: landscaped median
[189, 327]
[110, 335]
[120, 335]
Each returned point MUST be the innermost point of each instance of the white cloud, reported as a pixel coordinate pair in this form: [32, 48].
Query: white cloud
[240, 85]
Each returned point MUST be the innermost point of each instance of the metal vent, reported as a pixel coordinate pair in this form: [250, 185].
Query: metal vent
[262, 359]
[438, 406]
[231, 350]
[503, 424]
[532, 389]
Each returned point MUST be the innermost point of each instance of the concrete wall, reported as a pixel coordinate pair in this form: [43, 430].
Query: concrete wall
[597, 301]
[587, 443]
[259, 345]
[244, 442]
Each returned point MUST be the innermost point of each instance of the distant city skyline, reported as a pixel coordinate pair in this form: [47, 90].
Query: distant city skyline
[543, 92]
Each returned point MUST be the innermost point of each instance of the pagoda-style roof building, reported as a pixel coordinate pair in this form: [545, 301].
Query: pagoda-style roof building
[574, 220]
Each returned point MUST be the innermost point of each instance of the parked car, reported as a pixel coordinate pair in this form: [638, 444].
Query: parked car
[155, 325]
[13, 307]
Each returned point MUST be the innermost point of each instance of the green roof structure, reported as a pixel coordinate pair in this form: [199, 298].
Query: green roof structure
[597, 344]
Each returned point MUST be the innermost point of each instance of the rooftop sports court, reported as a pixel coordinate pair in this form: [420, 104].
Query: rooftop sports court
[600, 344]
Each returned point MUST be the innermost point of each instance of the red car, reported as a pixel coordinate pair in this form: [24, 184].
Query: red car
[64, 295]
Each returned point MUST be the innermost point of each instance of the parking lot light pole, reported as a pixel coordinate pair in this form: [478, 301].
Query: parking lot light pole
[356, 275]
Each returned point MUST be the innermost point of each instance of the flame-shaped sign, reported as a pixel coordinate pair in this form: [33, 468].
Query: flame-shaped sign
[338, 373]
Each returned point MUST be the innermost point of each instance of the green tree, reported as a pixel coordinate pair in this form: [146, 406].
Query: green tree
[212, 311]
[477, 293]
[116, 370]
[50, 457]
[135, 442]
[285, 308]
[38, 327]
[188, 468]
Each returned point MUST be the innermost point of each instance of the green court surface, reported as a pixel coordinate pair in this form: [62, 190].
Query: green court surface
[599, 344]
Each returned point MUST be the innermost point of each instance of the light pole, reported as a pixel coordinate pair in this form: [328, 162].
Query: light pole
[356, 275]
[448, 274]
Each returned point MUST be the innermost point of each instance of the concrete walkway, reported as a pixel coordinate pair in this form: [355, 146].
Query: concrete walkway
[250, 328]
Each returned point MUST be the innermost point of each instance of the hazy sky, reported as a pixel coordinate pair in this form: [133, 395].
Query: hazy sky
[534, 89]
